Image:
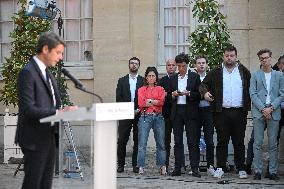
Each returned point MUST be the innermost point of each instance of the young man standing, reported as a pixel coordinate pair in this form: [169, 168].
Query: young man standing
[38, 98]
[267, 93]
[186, 97]
[205, 116]
[227, 88]
[126, 91]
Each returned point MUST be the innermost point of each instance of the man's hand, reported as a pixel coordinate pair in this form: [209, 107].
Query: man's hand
[266, 112]
[208, 96]
[67, 108]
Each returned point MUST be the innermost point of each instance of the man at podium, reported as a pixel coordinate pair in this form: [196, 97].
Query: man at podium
[39, 97]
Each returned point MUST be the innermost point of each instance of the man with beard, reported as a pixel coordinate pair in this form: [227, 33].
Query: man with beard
[227, 89]
[126, 91]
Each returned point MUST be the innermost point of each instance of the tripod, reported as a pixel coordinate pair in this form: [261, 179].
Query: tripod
[68, 172]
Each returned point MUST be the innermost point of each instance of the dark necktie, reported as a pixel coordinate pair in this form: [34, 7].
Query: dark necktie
[47, 75]
[47, 78]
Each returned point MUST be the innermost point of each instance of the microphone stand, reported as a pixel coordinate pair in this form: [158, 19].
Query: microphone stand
[89, 92]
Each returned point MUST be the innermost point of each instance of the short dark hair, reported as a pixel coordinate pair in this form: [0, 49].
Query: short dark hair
[280, 58]
[50, 39]
[134, 58]
[201, 56]
[262, 51]
[151, 69]
[231, 48]
[182, 58]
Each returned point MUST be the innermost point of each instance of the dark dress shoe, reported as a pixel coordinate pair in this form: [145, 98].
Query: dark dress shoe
[196, 173]
[135, 169]
[257, 176]
[120, 169]
[267, 175]
[273, 176]
[176, 173]
[248, 169]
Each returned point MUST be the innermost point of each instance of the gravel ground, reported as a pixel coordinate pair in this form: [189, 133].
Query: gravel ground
[150, 180]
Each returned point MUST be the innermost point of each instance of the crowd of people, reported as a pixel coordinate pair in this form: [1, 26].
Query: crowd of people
[198, 101]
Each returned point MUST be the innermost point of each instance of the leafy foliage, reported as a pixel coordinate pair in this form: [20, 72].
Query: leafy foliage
[24, 37]
[212, 36]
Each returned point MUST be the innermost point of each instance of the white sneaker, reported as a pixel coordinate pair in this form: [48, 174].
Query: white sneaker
[243, 175]
[163, 170]
[219, 173]
[210, 171]
[141, 170]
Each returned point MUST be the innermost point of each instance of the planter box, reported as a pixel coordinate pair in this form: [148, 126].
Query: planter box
[11, 150]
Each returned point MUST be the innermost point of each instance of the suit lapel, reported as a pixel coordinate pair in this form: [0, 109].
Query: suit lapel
[41, 76]
[273, 79]
[262, 76]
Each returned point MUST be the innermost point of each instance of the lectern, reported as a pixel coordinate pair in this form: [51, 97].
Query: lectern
[105, 116]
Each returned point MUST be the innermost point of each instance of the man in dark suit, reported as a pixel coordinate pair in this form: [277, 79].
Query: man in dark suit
[126, 91]
[38, 98]
[186, 97]
[226, 87]
[165, 83]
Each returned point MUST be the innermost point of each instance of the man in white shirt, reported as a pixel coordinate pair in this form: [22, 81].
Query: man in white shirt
[267, 93]
[126, 91]
[227, 88]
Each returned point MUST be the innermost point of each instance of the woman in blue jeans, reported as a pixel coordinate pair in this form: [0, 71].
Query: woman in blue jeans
[150, 101]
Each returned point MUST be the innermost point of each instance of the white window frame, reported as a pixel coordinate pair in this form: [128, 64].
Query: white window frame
[161, 46]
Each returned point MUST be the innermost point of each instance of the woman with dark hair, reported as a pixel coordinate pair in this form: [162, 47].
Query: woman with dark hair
[150, 101]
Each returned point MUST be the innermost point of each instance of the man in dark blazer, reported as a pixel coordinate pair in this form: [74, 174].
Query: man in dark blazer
[186, 97]
[38, 98]
[227, 89]
[126, 91]
[165, 83]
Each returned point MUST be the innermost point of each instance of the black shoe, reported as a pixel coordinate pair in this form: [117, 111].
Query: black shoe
[176, 173]
[120, 169]
[257, 176]
[195, 173]
[183, 170]
[135, 169]
[273, 176]
[248, 169]
[267, 175]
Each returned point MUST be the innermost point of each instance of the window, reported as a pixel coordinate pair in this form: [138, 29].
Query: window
[175, 26]
[77, 29]
[77, 33]
[7, 9]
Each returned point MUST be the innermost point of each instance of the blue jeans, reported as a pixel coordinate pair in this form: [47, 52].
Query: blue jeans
[156, 122]
[272, 133]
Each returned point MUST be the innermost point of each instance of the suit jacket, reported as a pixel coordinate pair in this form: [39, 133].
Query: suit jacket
[192, 101]
[165, 83]
[213, 82]
[123, 93]
[35, 102]
[258, 92]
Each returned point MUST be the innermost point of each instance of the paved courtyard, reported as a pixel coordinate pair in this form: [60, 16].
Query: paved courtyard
[150, 180]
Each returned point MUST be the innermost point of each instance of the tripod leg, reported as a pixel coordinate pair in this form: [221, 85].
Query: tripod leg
[19, 167]
[74, 149]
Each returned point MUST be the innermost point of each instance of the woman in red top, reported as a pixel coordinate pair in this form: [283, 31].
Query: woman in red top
[150, 101]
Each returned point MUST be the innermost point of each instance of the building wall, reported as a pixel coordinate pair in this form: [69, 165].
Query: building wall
[123, 29]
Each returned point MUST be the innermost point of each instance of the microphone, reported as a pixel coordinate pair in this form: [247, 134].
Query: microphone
[77, 83]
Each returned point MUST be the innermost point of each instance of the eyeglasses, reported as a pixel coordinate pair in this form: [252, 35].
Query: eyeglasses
[263, 58]
[135, 63]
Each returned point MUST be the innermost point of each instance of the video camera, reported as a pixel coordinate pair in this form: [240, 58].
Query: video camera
[45, 9]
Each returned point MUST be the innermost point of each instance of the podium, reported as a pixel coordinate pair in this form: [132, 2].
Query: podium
[105, 117]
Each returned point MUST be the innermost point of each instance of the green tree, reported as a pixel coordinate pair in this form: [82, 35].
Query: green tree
[212, 36]
[25, 35]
